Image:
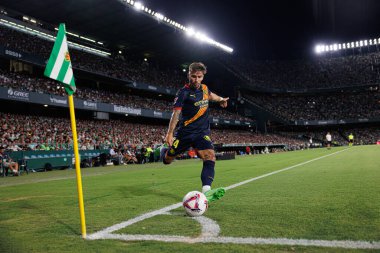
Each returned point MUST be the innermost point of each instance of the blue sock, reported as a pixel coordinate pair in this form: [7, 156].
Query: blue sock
[208, 172]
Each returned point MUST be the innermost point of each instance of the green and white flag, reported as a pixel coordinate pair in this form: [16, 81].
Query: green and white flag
[59, 65]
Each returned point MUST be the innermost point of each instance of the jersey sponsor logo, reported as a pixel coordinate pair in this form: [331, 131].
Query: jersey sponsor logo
[207, 138]
[201, 103]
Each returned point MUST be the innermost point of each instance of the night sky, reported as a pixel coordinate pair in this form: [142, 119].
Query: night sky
[275, 29]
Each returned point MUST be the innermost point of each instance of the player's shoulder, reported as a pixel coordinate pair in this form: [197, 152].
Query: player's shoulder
[205, 88]
[184, 89]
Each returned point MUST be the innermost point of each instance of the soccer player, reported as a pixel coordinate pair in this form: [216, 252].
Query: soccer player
[194, 127]
[328, 139]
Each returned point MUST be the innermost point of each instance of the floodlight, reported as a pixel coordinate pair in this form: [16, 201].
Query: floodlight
[201, 36]
[365, 43]
[335, 47]
[318, 49]
[352, 45]
[344, 46]
[190, 31]
[159, 16]
[361, 43]
[370, 42]
[138, 5]
[357, 44]
[168, 21]
[339, 46]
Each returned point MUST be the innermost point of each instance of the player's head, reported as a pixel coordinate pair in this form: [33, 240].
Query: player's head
[197, 70]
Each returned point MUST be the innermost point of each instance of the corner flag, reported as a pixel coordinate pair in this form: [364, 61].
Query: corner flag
[59, 68]
[59, 65]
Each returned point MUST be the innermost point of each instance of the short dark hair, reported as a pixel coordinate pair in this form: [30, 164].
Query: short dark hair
[198, 66]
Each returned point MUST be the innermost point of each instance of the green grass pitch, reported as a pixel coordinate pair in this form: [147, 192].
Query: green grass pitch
[333, 198]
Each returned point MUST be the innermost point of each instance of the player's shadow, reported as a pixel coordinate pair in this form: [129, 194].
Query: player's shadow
[146, 190]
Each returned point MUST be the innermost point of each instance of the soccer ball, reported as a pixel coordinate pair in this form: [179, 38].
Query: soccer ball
[195, 203]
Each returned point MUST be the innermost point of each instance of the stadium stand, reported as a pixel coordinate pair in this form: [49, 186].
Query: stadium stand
[321, 72]
[128, 70]
[363, 135]
[344, 105]
[27, 82]
[25, 132]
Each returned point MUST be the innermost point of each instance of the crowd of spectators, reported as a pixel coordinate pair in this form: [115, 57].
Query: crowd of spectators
[315, 137]
[25, 132]
[321, 106]
[319, 72]
[45, 85]
[362, 136]
[240, 136]
[121, 68]
[369, 135]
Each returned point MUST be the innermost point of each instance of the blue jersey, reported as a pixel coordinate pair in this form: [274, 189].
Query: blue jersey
[194, 106]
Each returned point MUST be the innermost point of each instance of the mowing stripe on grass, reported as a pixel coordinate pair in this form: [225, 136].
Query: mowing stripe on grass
[210, 229]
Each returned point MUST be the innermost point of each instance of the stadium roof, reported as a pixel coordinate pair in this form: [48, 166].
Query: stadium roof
[111, 21]
[255, 29]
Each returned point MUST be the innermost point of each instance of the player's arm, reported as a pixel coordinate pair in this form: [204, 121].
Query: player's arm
[172, 124]
[221, 100]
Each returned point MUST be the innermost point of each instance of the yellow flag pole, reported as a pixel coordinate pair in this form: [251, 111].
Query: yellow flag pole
[77, 166]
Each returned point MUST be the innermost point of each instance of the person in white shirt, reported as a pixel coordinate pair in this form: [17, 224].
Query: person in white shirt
[328, 139]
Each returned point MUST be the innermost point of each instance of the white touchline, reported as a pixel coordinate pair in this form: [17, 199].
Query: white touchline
[211, 229]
